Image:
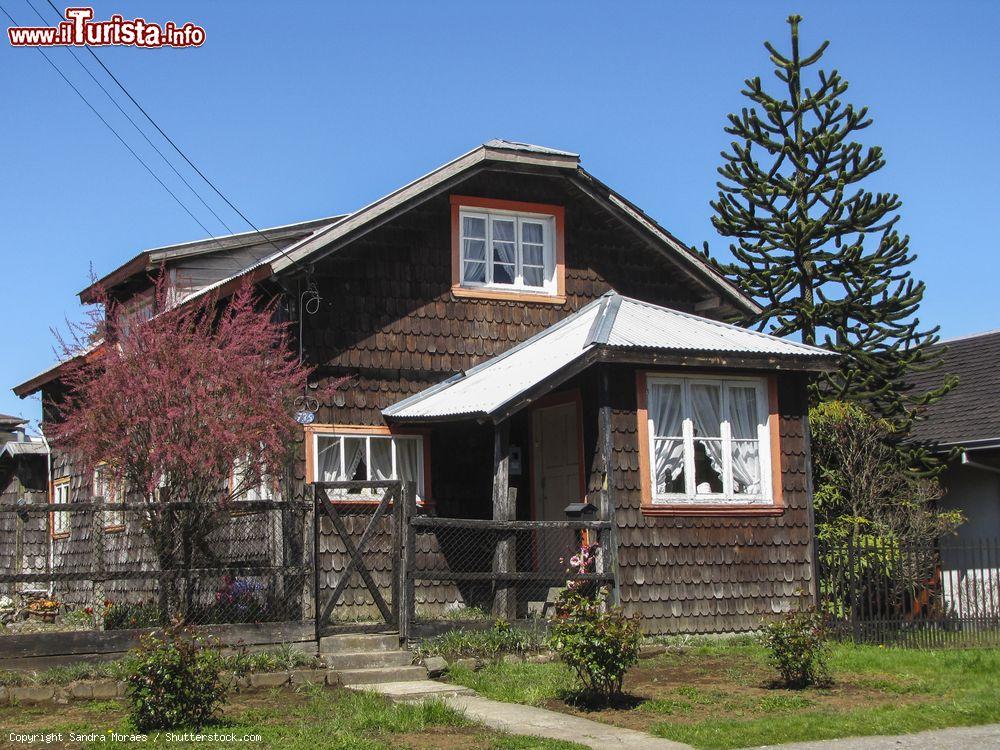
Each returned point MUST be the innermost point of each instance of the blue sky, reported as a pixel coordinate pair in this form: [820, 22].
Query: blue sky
[318, 108]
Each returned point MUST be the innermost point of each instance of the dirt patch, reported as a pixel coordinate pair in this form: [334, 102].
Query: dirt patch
[442, 738]
[689, 688]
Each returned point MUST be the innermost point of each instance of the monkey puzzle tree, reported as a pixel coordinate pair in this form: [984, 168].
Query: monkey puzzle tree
[820, 253]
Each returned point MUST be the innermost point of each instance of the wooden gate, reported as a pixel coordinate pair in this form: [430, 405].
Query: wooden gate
[358, 544]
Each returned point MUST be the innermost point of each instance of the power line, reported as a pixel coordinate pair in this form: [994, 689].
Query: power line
[175, 146]
[109, 127]
[138, 129]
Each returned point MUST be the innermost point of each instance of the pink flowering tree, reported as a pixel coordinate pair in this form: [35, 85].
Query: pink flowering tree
[170, 399]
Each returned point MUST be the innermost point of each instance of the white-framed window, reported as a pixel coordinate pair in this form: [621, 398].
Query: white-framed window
[340, 457]
[507, 250]
[112, 493]
[60, 518]
[709, 440]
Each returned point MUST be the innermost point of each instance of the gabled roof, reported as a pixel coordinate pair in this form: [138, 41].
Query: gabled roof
[8, 420]
[24, 448]
[613, 323]
[968, 415]
[147, 260]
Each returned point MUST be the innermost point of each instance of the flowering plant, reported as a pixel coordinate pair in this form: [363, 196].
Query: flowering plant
[590, 634]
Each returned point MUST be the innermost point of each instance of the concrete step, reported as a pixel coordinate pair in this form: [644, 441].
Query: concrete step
[368, 659]
[352, 677]
[355, 642]
[415, 690]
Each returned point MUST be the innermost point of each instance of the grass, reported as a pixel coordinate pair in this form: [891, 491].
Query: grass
[717, 694]
[487, 645]
[308, 719]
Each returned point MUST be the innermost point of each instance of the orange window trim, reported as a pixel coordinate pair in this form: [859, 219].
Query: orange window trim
[775, 508]
[312, 430]
[52, 514]
[558, 212]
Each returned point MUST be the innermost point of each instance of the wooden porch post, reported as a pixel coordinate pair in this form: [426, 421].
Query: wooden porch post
[606, 510]
[504, 509]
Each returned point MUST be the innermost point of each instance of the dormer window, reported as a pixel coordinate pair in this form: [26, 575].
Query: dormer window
[507, 249]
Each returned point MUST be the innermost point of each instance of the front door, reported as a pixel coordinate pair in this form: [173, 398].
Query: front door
[556, 461]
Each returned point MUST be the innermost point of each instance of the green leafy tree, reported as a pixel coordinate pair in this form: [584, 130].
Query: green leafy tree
[821, 253]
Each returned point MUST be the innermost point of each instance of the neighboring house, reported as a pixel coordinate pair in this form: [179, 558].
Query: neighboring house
[511, 322]
[24, 541]
[968, 419]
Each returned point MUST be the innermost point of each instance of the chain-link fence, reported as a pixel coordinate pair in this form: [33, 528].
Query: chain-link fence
[927, 594]
[467, 570]
[91, 565]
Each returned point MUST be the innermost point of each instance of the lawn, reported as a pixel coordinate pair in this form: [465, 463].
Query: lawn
[306, 719]
[719, 695]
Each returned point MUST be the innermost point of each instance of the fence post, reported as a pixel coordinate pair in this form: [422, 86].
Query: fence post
[407, 606]
[396, 554]
[315, 560]
[97, 550]
[609, 539]
[852, 561]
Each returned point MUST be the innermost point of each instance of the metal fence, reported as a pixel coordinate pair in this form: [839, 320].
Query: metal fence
[464, 570]
[91, 565]
[923, 595]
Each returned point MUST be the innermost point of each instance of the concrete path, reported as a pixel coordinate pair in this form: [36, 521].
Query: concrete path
[539, 722]
[986, 737]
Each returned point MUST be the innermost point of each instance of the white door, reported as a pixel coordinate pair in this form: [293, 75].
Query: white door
[557, 481]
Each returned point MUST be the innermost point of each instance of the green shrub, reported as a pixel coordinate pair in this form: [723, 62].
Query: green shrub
[596, 640]
[285, 657]
[798, 649]
[173, 681]
[126, 615]
[488, 645]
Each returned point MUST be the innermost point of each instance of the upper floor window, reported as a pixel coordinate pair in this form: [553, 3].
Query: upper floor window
[507, 248]
[60, 518]
[112, 491]
[709, 440]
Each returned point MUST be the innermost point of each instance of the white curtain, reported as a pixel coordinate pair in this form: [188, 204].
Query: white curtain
[328, 458]
[407, 461]
[744, 422]
[665, 412]
[381, 459]
[504, 251]
[706, 402]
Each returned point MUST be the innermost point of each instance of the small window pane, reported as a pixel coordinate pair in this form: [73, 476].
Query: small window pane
[503, 273]
[473, 226]
[382, 459]
[668, 465]
[475, 271]
[534, 276]
[503, 230]
[743, 412]
[708, 467]
[328, 458]
[532, 232]
[475, 249]
[533, 255]
[706, 403]
[746, 467]
[408, 460]
[355, 463]
[665, 409]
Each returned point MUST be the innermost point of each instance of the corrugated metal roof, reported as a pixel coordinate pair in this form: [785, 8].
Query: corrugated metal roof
[646, 326]
[613, 321]
[25, 448]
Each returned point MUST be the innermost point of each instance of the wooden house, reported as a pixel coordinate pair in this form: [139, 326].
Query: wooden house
[512, 323]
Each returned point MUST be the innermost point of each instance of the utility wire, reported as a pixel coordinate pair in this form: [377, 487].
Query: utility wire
[109, 127]
[175, 146]
[138, 129]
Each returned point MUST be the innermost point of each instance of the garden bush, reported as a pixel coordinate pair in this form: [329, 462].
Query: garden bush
[595, 639]
[173, 681]
[798, 649]
[489, 645]
[127, 615]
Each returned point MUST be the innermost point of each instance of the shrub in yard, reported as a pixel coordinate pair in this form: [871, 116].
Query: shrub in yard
[173, 681]
[595, 639]
[488, 645]
[797, 648]
[126, 615]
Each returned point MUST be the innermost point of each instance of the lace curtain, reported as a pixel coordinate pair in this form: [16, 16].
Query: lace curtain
[665, 412]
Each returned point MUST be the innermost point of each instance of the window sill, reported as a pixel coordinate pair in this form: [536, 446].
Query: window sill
[717, 509]
[365, 502]
[510, 296]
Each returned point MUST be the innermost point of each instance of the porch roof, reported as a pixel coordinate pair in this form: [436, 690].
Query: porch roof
[612, 328]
